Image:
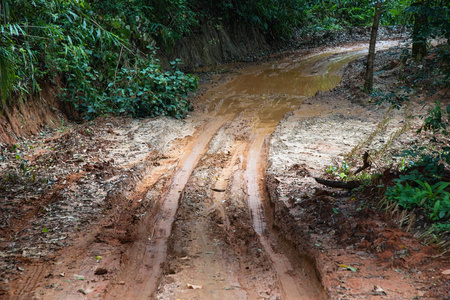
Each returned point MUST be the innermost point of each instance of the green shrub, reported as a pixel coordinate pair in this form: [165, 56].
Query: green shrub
[432, 198]
[103, 70]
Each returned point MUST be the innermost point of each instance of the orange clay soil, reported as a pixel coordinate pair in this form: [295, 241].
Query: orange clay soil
[220, 205]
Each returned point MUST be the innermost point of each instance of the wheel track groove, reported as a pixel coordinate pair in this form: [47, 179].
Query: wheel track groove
[291, 281]
[145, 272]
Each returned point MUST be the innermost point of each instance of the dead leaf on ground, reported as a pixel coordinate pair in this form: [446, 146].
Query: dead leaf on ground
[378, 290]
[446, 272]
[194, 287]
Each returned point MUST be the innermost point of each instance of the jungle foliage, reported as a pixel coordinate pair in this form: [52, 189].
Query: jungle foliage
[102, 67]
[102, 52]
[424, 182]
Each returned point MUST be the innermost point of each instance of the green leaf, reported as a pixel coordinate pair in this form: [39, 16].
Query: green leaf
[437, 205]
[348, 268]
[44, 230]
[441, 186]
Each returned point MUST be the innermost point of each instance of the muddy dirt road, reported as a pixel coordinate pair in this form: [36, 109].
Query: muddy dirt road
[221, 244]
[189, 214]
[230, 183]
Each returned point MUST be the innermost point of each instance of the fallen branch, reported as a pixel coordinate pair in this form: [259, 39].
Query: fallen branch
[339, 184]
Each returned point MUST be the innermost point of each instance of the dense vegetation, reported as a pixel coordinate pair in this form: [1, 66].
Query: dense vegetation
[100, 69]
[102, 53]
[424, 181]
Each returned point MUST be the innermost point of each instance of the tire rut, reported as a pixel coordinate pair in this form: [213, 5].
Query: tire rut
[150, 251]
[213, 245]
[295, 281]
[221, 245]
[25, 287]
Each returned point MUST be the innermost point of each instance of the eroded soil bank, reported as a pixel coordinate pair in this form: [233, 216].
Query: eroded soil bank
[221, 205]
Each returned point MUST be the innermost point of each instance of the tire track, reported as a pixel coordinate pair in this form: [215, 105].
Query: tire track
[25, 287]
[293, 279]
[147, 255]
[213, 245]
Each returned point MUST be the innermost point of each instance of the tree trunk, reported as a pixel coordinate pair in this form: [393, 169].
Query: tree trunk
[368, 84]
[419, 36]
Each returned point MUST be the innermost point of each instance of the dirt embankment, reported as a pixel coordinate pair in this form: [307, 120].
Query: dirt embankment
[24, 118]
[214, 45]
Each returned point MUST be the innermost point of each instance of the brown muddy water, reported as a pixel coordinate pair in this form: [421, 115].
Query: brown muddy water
[266, 92]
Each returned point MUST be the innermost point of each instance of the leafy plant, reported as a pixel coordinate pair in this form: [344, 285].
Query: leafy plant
[432, 198]
[442, 227]
[342, 171]
[96, 56]
[441, 208]
[437, 120]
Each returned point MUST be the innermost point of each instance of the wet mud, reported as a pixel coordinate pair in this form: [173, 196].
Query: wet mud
[221, 204]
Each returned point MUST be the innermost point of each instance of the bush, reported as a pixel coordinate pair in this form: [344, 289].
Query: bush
[101, 66]
[433, 199]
